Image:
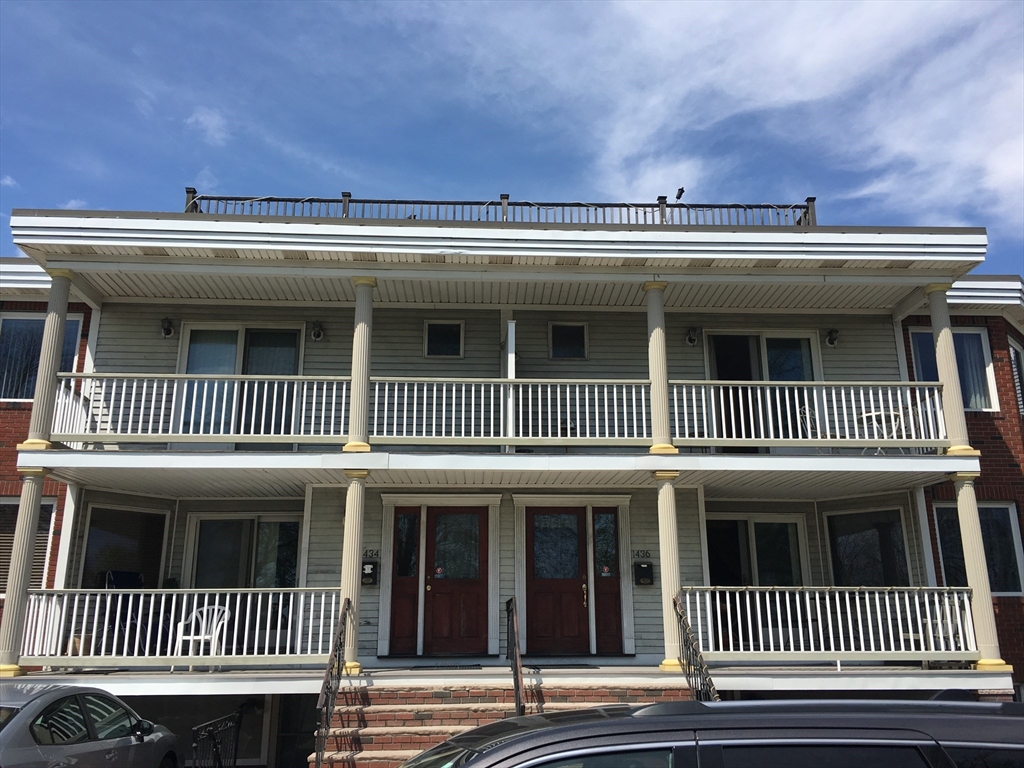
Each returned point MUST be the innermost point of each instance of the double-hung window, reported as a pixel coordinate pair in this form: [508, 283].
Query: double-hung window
[973, 362]
[21, 339]
[1000, 535]
[8, 523]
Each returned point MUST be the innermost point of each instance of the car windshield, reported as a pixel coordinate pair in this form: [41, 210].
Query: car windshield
[6, 713]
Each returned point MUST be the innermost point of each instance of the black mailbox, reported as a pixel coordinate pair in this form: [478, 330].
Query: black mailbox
[370, 572]
[643, 574]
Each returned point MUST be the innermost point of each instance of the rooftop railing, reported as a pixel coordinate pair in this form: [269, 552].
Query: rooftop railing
[504, 210]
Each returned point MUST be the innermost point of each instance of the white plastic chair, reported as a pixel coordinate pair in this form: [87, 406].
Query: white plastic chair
[208, 624]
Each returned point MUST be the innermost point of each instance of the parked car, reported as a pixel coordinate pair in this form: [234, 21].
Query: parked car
[783, 734]
[44, 726]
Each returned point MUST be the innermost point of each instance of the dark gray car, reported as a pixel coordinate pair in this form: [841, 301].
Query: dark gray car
[782, 734]
[50, 726]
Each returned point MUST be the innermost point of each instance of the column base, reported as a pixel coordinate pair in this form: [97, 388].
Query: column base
[663, 448]
[993, 665]
[356, 447]
[352, 668]
[35, 444]
[11, 670]
[962, 450]
[671, 665]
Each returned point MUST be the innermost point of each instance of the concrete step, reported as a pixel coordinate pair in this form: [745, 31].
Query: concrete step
[384, 738]
[360, 716]
[391, 758]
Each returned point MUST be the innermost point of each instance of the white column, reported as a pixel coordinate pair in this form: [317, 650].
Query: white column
[359, 404]
[20, 572]
[657, 366]
[945, 360]
[977, 573]
[668, 540]
[352, 564]
[41, 421]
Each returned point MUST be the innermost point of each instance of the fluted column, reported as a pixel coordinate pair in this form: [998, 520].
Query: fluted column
[41, 421]
[976, 567]
[668, 540]
[657, 367]
[352, 564]
[945, 361]
[20, 572]
[359, 404]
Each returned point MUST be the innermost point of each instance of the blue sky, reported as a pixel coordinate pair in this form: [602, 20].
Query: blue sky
[897, 113]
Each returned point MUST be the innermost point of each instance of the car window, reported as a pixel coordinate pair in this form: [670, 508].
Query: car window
[647, 758]
[109, 719]
[63, 722]
[986, 757]
[6, 713]
[815, 755]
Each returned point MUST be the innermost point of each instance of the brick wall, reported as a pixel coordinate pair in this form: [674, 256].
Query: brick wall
[1000, 438]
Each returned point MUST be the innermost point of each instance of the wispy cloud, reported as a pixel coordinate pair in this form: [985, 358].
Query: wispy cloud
[212, 124]
[74, 204]
[7, 181]
[206, 182]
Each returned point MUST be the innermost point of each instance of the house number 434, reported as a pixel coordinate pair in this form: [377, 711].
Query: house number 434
[371, 553]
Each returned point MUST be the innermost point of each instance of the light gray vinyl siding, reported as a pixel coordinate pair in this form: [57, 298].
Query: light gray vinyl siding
[326, 536]
[617, 343]
[397, 346]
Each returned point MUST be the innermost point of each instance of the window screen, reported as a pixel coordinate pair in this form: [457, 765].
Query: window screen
[971, 362]
[444, 339]
[569, 341]
[21, 339]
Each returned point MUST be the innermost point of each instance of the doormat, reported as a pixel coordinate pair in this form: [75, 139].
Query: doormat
[452, 666]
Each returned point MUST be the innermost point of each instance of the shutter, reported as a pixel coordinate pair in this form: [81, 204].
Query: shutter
[8, 521]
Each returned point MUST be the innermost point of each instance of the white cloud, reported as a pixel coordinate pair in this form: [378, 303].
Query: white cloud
[211, 124]
[73, 205]
[205, 182]
[7, 181]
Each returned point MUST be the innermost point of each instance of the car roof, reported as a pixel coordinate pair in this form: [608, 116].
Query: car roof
[20, 694]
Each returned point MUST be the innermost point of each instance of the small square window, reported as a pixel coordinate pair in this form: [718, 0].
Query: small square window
[443, 339]
[568, 341]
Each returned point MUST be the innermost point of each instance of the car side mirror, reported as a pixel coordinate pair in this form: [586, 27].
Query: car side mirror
[141, 729]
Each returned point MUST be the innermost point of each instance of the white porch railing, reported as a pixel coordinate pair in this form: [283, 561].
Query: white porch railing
[907, 414]
[831, 623]
[129, 628]
[94, 408]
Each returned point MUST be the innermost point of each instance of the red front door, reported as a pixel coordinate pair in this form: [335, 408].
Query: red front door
[557, 614]
[455, 604]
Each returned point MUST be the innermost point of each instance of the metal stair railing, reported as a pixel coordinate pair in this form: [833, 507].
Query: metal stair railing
[513, 654]
[698, 678]
[332, 681]
[215, 743]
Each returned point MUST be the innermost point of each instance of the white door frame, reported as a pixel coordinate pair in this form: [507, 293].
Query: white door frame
[387, 544]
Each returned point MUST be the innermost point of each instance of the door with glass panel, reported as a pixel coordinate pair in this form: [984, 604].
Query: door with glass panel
[405, 582]
[868, 549]
[557, 611]
[745, 552]
[455, 599]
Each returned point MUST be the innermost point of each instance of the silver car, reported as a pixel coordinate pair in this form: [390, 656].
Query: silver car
[51, 726]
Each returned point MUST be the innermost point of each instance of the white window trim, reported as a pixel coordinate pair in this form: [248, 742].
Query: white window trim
[188, 327]
[119, 507]
[1011, 511]
[769, 517]
[20, 315]
[586, 341]
[462, 339]
[191, 551]
[830, 575]
[986, 349]
[1019, 381]
[52, 501]
[775, 333]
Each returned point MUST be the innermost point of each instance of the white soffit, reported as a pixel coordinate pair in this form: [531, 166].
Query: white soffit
[985, 296]
[22, 277]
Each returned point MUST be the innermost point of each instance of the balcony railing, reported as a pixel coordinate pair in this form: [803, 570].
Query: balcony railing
[831, 623]
[95, 628]
[100, 408]
[503, 210]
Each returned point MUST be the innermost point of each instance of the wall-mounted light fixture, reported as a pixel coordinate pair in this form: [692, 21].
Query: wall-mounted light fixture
[317, 331]
[693, 337]
[166, 328]
[832, 337]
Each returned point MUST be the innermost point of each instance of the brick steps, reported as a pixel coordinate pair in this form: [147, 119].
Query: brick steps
[374, 738]
[391, 758]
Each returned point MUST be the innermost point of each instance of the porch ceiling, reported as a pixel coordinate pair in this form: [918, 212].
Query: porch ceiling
[254, 475]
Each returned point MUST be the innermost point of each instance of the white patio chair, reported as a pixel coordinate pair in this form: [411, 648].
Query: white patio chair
[208, 624]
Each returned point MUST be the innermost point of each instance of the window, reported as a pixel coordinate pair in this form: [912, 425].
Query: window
[771, 356]
[63, 722]
[8, 522]
[762, 550]
[242, 552]
[832, 755]
[109, 719]
[973, 362]
[21, 339]
[442, 339]
[868, 549]
[124, 549]
[1000, 535]
[1017, 367]
[567, 341]
[614, 758]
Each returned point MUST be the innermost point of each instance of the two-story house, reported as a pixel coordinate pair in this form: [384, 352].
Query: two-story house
[427, 409]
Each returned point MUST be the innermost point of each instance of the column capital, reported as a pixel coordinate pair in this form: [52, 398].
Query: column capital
[962, 450]
[61, 273]
[964, 477]
[365, 280]
[34, 471]
[933, 287]
[655, 285]
[35, 444]
[665, 475]
[357, 474]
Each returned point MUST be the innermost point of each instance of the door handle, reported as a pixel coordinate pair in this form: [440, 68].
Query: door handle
[428, 587]
[584, 595]
[111, 755]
